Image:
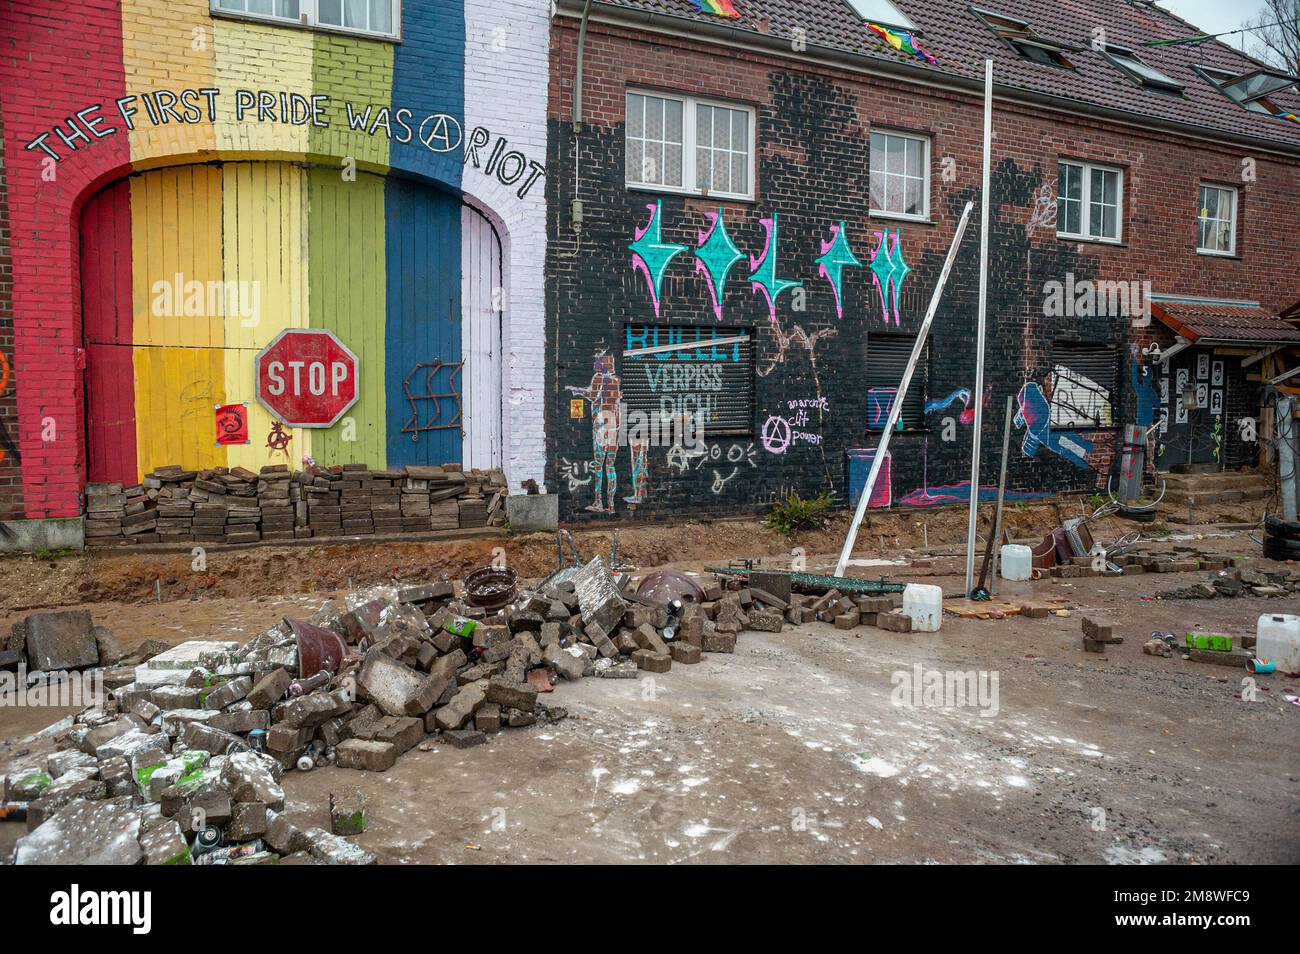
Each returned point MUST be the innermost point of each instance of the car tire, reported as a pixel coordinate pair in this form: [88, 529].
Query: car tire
[1275, 526]
[1281, 548]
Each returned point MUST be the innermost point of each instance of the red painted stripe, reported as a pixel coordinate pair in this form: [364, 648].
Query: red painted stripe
[57, 59]
[107, 316]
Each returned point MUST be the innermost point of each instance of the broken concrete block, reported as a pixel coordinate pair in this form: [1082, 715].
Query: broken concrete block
[461, 708]
[488, 718]
[599, 597]
[247, 821]
[285, 739]
[163, 843]
[714, 641]
[365, 755]
[847, 620]
[517, 696]
[174, 666]
[26, 785]
[283, 835]
[348, 812]
[647, 637]
[110, 653]
[564, 662]
[652, 661]
[766, 620]
[197, 735]
[330, 849]
[59, 640]
[465, 738]
[894, 622]
[684, 653]
[84, 832]
[253, 777]
[396, 689]
[270, 689]
[316, 708]
[227, 693]
[241, 721]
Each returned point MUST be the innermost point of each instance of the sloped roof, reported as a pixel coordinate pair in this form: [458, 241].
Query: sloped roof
[960, 41]
[1215, 322]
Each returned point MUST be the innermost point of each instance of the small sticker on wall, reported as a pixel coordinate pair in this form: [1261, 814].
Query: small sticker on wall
[232, 424]
[576, 409]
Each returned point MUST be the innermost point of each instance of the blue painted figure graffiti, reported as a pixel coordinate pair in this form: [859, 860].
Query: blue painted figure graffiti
[640, 448]
[1144, 386]
[1035, 416]
[603, 395]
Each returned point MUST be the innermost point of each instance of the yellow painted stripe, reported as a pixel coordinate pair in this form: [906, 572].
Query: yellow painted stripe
[264, 216]
[348, 296]
[254, 56]
[168, 45]
[175, 277]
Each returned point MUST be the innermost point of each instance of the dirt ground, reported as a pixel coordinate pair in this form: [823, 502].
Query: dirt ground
[792, 749]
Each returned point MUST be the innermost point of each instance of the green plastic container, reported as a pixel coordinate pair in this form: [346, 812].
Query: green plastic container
[1214, 641]
[460, 626]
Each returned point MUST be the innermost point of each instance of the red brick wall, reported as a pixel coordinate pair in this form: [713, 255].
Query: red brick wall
[53, 63]
[11, 477]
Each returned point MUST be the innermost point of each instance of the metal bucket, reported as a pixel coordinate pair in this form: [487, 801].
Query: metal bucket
[491, 587]
[319, 649]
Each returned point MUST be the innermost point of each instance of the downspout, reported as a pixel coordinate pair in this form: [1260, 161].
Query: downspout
[575, 207]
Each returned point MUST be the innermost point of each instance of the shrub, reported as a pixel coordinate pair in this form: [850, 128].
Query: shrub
[795, 514]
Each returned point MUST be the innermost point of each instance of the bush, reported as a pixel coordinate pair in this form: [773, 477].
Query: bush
[795, 514]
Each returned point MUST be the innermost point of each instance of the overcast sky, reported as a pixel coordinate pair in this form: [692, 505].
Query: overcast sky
[1215, 16]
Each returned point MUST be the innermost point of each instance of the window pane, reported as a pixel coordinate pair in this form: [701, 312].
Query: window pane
[236, 5]
[915, 197]
[739, 174]
[654, 118]
[287, 9]
[1210, 203]
[261, 6]
[673, 121]
[1071, 182]
[354, 13]
[878, 191]
[635, 116]
[381, 16]
[635, 156]
[895, 161]
[1067, 214]
[704, 125]
[673, 165]
[877, 152]
[330, 12]
[915, 158]
[740, 131]
[893, 193]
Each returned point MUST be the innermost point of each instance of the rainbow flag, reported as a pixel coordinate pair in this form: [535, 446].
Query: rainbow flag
[903, 42]
[1289, 116]
[722, 8]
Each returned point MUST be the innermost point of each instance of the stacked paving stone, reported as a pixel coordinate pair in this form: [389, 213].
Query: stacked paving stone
[183, 765]
[236, 505]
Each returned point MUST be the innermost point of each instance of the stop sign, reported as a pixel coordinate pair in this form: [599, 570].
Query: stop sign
[306, 377]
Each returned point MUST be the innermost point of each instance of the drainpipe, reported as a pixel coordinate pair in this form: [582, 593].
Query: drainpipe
[575, 207]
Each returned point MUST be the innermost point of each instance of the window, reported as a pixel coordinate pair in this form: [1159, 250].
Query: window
[1089, 202]
[1022, 38]
[680, 144]
[1143, 73]
[1250, 90]
[887, 357]
[900, 176]
[371, 17]
[1218, 220]
[689, 370]
[882, 12]
[1084, 381]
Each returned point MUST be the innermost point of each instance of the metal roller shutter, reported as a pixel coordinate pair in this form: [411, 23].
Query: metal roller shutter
[698, 374]
[1084, 395]
[887, 357]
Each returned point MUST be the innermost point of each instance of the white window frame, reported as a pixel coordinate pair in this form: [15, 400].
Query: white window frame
[1085, 211]
[308, 19]
[924, 215]
[690, 145]
[1232, 232]
[892, 15]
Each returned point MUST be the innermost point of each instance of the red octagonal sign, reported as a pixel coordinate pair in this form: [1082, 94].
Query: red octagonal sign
[306, 377]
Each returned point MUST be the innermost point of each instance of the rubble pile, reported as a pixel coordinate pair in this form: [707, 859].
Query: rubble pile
[182, 759]
[1238, 581]
[235, 505]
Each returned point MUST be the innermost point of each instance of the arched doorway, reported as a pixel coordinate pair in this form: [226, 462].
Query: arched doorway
[188, 272]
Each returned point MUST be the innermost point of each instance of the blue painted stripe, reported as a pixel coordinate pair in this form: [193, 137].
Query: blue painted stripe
[429, 80]
[422, 326]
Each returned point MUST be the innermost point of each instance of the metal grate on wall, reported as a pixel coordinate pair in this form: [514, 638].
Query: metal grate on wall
[682, 370]
[887, 357]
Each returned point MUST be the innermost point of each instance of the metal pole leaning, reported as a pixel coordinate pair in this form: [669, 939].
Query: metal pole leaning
[897, 407]
[979, 335]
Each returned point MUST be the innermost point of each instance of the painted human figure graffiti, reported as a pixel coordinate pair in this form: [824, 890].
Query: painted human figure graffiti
[603, 395]
[640, 448]
[1035, 416]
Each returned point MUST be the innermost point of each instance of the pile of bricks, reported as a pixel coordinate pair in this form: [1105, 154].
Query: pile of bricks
[236, 505]
[182, 761]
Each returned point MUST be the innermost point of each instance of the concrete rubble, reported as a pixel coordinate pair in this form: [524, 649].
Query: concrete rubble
[182, 759]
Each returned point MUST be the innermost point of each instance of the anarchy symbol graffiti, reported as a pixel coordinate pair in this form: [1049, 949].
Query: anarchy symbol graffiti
[776, 435]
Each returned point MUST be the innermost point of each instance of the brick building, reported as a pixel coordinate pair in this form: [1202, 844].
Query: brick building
[750, 207]
[181, 182]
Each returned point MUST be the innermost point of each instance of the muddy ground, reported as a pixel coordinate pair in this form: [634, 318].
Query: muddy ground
[792, 749]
